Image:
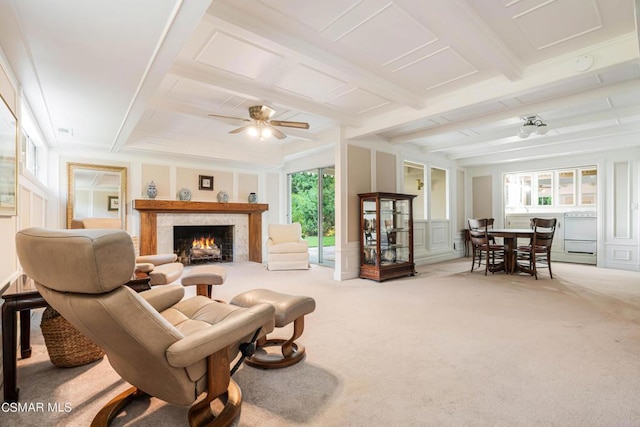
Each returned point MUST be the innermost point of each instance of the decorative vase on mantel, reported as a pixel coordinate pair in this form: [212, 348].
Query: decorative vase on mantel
[152, 190]
[184, 194]
[223, 197]
[253, 198]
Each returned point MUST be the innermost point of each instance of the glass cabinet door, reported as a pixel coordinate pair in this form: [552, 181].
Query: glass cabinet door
[386, 235]
[394, 235]
[370, 232]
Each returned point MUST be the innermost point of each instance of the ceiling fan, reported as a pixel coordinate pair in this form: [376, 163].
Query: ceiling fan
[261, 125]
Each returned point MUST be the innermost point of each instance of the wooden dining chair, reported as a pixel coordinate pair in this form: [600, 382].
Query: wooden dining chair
[482, 223]
[538, 251]
[484, 249]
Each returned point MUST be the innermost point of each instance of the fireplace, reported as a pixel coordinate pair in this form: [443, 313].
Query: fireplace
[158, 217]
[195, 244]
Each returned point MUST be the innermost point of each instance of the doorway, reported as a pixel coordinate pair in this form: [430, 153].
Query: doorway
[312, 204]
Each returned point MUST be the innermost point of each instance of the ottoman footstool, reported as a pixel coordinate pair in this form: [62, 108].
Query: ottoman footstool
[203, 277]
[289, 308]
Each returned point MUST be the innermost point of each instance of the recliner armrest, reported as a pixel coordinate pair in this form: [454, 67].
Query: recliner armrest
[157, 259]
[163, 297]
[205, 342]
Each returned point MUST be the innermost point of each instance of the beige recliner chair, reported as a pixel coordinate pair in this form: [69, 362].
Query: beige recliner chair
[165, 346]
[286, 249]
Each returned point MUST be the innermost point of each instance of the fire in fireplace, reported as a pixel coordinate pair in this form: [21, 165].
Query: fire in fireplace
[203, 243]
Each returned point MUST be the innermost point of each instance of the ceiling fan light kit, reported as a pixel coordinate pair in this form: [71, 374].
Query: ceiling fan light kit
[532, 124]
[261, 124]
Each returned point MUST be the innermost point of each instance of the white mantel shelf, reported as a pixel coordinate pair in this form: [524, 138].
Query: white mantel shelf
[150, 208]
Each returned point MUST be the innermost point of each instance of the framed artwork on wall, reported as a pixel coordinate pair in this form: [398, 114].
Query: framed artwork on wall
[114, 203]
[205, 182]
[8, 160]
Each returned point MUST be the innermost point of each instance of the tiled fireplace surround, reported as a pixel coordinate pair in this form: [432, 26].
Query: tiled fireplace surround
[167, 221]
[157, 218]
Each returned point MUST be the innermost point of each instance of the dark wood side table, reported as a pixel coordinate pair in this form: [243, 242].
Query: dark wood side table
[21, 297]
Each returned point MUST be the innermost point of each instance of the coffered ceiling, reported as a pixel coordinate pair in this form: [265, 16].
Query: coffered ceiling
[452, 77]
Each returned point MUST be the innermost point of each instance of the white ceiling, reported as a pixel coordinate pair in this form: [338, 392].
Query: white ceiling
[447, 76]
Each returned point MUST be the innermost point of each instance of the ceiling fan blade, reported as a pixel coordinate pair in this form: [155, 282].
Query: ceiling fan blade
[275, 132]
[229, 117]
[241, 129]
[286, 124]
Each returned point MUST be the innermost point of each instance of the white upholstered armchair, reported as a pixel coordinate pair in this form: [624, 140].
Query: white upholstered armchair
[286, 249]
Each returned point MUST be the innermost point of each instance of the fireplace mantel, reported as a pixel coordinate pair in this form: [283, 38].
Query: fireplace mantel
[149, 210]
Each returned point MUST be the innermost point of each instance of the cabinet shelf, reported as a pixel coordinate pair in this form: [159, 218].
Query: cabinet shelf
[386, 230]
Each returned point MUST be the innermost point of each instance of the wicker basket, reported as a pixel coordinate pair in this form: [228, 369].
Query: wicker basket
[67, 347]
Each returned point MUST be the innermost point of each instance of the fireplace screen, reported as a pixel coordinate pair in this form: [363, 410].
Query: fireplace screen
[203, 243]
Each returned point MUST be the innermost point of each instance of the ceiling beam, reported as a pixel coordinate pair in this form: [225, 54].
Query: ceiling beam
[542, 147]
[484, 39]
[533, 108]
[251, 90]
[619, 51]
[183, 19]
[507, 134]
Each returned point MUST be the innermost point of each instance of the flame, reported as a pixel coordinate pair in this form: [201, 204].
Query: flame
[204, 243]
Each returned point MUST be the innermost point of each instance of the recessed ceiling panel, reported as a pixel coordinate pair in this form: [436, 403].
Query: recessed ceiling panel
[198, 94]
[560, 88]
[358, 101]
[575, 110]
[474, 111]
[435, 69]
[315, 14]
[237, 56]
[558, 21]
[586, 126]
[442, 138]
[297, 80]
[386, 35]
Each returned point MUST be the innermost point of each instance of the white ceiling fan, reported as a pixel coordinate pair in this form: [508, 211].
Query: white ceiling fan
[261, 124]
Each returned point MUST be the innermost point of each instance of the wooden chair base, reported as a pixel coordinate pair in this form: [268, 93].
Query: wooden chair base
[200, 414]
[265, 360]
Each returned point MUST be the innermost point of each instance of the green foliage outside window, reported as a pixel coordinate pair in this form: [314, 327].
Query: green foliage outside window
[304, 203]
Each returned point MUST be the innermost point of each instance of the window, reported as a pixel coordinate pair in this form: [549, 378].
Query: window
[30, 155]
[518, 190]
[545, 189]
[414, 180]
[588, 186]
[566, 188]
[438, 199]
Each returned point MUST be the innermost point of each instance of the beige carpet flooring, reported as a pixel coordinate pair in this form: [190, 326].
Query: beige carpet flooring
[443, 348]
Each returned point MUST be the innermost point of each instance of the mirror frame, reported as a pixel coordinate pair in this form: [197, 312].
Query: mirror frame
[121, 170]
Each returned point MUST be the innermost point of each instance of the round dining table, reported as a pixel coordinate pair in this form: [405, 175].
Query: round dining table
[510, 237]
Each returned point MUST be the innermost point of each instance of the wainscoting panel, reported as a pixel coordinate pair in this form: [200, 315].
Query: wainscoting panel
[440, 236]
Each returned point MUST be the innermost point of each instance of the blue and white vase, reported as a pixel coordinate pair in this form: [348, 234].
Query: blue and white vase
[252, 198]
[152, 190]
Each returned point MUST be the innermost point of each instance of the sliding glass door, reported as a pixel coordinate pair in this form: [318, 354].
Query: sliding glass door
[312, 204]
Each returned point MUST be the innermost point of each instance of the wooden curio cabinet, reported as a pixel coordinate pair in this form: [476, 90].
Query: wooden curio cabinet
[386, 235]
